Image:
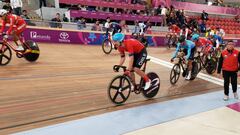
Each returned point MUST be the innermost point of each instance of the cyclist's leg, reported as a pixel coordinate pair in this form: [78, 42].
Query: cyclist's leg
[139, 60]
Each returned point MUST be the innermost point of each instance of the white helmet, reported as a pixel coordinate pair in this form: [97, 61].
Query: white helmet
[3, 12]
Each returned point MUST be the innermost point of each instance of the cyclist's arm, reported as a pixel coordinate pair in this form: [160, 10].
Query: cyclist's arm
[186, 33]
[189, 52]
[177, 49]
[130, 64]
[10, 26]
[120, 29]
[122, 60]
[217, 43]
[3, 26]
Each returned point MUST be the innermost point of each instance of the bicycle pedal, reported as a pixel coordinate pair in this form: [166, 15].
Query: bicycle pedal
[137, 91]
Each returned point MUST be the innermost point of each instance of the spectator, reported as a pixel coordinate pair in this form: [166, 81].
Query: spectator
[229, 63]
[16, 6]
[136, 29]
[159, 10]
[163, 13]
[56, 22]
[204, 15]
[107, 25]
[65, 19]
[96, 26]
[8, 7]
[26, 18]
[81, 23]
[42, 2]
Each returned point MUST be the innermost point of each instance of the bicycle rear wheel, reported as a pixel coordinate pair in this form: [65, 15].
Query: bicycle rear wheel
[107, 46]
[211, 65]
[155, 85]
[33, 55]
[119, 89]
[175, 74]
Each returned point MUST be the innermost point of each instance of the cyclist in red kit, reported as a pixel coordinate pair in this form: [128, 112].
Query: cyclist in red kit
[203, 43]
[174, 29]
[16, 27]
[137, 56]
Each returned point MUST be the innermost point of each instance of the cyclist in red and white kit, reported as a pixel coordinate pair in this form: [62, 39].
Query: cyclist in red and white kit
[137, 56]
[16, 27]
[174, 29]
[203, 43]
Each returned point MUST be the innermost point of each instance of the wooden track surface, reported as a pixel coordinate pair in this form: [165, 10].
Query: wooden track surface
[70, 82]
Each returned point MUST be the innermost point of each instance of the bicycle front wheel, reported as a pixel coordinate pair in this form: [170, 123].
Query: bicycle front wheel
[175, 74]
[107, 46]
[119, 89]
[5, 55]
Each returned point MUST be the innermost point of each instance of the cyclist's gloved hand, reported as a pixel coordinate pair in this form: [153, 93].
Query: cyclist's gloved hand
[5, 36]
[116, 68]
[127, 72]
[172, 59]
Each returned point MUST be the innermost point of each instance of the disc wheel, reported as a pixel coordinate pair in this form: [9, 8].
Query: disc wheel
[107, 46]
[119, 89]
[5, 55]
[155, 85]
[211, 66]
[175, 74]
[33, 53]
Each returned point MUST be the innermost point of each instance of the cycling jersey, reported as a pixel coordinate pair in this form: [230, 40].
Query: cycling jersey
[188, 45]
[217, 40]
[15, 22]
[221, 32]
[131, 46]
[174, 28]
[203, 42]
[187, 32]
[116, 28]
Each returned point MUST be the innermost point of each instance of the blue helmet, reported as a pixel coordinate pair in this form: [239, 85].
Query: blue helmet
[118, 37]
[195, 37]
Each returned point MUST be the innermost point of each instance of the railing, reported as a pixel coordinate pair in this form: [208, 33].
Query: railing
[75, 27]
[100, 3]
[113, 16]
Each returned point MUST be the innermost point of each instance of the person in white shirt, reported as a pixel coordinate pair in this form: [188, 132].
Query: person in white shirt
[107, 26]
[17, 6]
[163, 13]
[142, 27]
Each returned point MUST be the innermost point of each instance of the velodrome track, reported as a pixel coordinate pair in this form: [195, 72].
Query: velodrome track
[70, 82]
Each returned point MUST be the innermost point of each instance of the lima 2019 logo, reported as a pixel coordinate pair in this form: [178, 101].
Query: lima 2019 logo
[35, 35]
[64, 37]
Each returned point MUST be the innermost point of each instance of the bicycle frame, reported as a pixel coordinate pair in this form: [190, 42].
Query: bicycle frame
[143, 69]
[13, 47]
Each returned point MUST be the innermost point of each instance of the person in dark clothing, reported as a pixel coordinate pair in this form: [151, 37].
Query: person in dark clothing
[26, 18]
[42, 2]
[56, 22]
[204, 15]
[229, 63]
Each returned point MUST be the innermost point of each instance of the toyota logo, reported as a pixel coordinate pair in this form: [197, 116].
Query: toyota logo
[64, 35]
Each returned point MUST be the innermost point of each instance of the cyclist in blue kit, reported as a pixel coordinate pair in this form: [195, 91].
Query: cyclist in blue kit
[189, 50]
[116, 28]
